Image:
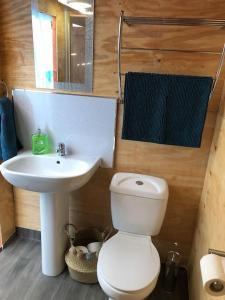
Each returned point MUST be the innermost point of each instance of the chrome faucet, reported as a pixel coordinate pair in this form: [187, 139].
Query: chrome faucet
[61, 149]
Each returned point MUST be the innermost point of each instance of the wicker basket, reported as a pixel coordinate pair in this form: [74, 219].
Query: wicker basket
[82, 269]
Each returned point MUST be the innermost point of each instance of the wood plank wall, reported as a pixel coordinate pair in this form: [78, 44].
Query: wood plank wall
[184, 168]
[7, 217]
[209, 231]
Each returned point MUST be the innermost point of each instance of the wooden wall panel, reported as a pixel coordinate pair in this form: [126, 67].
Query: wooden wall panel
[7, 219]
[201, 38]
[27, 209]
[184, 168]
[209, 232]
[17, 44]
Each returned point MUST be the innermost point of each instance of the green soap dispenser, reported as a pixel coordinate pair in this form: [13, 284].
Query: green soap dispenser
[40, 143]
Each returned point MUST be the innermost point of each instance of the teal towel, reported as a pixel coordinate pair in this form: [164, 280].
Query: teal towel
[9, 144]
[165, 109]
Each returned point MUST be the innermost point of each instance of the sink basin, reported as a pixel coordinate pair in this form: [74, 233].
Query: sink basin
[53, 177]
[49, 173]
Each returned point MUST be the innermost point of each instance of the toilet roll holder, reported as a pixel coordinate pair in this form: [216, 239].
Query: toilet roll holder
[216, 286]
[216, 252]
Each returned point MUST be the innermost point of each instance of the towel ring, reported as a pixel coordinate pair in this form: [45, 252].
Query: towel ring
[2, 82]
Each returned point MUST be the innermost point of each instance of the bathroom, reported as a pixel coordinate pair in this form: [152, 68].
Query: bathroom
[194, 214]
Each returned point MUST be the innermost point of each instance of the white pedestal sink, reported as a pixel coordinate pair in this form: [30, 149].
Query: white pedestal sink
[53, 177]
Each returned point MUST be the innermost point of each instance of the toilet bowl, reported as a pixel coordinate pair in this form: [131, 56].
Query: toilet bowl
[129, 264]
[128, 267]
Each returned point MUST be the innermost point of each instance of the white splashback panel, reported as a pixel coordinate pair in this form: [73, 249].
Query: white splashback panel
[85, 124]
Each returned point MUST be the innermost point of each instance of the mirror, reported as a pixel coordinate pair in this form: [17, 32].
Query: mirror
[63, 44]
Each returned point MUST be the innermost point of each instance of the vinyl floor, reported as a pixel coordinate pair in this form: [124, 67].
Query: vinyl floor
[21, 278]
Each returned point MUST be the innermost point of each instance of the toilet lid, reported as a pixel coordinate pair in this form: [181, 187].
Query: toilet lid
[129, 262]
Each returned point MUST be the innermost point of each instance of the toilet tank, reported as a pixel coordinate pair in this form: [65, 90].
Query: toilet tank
[138, 203]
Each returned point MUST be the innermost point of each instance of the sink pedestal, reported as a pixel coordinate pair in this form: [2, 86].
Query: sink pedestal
[54, 208]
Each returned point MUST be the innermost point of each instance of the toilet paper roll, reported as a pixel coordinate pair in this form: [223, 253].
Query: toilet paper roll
[213, 274]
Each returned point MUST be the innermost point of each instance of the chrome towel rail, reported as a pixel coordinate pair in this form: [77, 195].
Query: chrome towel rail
[172, 21]
[129, 20]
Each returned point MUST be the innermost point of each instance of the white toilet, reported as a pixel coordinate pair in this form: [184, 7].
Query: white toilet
[128, 263]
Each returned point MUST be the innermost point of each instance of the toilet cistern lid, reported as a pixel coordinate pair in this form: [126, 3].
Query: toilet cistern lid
[128, 262]
[139, 185]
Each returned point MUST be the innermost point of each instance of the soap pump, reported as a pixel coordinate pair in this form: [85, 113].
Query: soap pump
[40, 143]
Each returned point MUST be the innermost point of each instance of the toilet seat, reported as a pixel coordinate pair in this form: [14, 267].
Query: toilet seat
[116, 294]
[129, 263]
